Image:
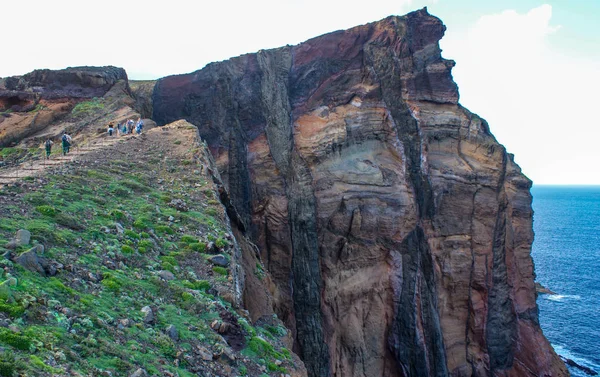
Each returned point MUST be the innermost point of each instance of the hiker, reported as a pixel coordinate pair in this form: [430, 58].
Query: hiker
[130, 126]
[48, 145]
[110, 129]
[138, 126]
[118, 128]
[124, 129]
[66, 143]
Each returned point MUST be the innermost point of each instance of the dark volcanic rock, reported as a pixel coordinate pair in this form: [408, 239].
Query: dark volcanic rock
[403, 226]
[72, 82]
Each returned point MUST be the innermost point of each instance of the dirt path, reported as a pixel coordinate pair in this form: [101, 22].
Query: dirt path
[79, 150]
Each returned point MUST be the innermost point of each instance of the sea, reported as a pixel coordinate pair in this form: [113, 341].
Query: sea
[566, 253]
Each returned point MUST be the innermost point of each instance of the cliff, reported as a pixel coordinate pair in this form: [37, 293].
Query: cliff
[397, 230]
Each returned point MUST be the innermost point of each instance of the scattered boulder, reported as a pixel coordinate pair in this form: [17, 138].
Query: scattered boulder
[31, 261]
[166, 275]
[179, 205]
[23, 237]
[120, 229]
[204, 353]
[219, 260]
[139, 373]
[172, 332]
[148, 315]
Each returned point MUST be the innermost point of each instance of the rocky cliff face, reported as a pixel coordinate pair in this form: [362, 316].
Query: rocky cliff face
[396, 228]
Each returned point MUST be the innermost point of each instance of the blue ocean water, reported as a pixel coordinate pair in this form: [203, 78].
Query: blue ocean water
[566, 252]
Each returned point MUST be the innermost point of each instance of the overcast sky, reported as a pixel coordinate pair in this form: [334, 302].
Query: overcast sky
[531, 68]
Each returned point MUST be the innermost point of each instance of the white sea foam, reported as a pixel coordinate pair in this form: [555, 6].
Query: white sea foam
[566, 353]
[562, 298]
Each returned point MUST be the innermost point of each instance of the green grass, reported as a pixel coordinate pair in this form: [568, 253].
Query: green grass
[220, 270]
[68, 215]
[87, 107]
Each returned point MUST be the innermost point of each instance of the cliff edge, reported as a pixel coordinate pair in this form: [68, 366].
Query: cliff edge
[397, 230]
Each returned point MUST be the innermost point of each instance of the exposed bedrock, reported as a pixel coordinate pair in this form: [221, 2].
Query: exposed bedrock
[396, 228]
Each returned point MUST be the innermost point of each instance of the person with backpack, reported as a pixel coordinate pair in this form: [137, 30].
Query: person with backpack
[48, 145]
[66, 143]
[140, 125]
[110, 129]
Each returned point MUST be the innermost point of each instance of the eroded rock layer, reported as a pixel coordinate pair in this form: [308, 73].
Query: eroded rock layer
[396, 228]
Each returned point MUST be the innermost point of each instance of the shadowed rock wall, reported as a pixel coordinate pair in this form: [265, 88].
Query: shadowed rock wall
[396, 228]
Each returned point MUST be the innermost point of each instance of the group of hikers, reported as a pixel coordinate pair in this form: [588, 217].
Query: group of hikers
[123, 129]
[65, 140]
[126, 127]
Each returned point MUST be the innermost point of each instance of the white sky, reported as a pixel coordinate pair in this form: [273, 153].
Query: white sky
[537, 98]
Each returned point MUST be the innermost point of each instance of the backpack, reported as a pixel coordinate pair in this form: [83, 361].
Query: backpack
[64, 138]
[48, 143]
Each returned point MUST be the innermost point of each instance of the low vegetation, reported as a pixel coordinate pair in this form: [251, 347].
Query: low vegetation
[114, 247]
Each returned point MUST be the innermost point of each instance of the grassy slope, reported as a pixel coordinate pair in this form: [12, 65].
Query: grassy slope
[72, 323]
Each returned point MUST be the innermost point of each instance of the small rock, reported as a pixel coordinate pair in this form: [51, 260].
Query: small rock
[139, 373]
[105, 229]
[31, 261]
[148, 315]
[179, 205]
[166, 275]
[205, 354]
[211, 248]
[172, 332]
[11, 245]
[219, 260]
[23, 237]
[278, 362]
[171, 218]
[120, 228]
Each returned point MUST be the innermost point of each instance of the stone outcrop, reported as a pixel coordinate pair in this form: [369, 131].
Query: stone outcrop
[72, 82]
[397, 230]
[36, 100]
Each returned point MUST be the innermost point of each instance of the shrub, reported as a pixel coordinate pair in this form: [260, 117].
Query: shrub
[220, 270]
[117, 214]
[220, 243]
[12, 310]
[198, 246]
[17, 341]
[164, 229]
[46, 210]
[7, 369]
[144, 246]
[126, 249]
[141, 222]
[188, 239]
[112, 284]
[198, 285]
[131, 234]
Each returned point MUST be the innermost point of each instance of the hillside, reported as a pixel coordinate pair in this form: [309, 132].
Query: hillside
[132, 269]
